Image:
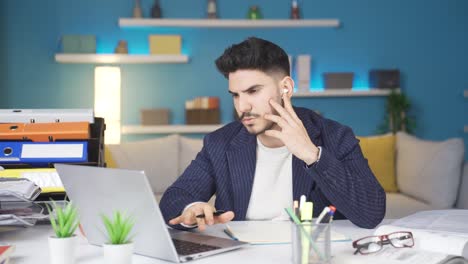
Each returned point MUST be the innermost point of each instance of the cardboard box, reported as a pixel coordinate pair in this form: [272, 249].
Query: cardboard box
[202, 116]
[338, 80]
[165, 44]
[157, 116]
[78, 44]
[386, 79]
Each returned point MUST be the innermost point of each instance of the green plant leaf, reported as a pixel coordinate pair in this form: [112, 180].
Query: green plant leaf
[109, 228]
[67, 212]
[71, 216]
[52, 220]
[127, 227]
[61, 220]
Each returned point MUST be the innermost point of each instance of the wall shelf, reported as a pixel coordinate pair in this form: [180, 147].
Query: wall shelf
[227, 23]
[168, 129]
[345, 93]
[120, 58]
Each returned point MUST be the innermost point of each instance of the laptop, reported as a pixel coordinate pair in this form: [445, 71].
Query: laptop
[96, 191]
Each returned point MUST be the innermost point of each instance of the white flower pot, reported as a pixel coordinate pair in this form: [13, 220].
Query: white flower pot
[118, 254]
[63, 250]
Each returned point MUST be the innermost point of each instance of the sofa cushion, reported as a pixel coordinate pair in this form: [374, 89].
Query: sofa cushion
[400, 205]
[109, 159]
[380, 153]
[462, 201]
[429, 171]
[157, 157]
[189, 148]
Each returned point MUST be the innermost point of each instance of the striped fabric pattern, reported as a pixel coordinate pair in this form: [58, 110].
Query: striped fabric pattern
[226, 166]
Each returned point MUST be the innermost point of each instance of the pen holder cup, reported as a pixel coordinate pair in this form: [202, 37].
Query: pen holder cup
[311, 243]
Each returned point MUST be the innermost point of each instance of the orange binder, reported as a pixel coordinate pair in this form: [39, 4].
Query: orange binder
[11, 131]
[44, 132]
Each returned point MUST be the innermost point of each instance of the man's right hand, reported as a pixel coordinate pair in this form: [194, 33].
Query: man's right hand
[189, 216]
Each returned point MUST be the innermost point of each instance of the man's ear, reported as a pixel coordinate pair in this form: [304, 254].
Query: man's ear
[287, 85]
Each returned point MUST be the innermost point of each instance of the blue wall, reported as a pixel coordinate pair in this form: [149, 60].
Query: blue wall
[426, 39]
[3, 57]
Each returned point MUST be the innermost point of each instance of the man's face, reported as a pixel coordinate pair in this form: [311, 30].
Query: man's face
[251, 91]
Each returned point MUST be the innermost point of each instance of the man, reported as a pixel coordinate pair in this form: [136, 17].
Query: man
[274, 154]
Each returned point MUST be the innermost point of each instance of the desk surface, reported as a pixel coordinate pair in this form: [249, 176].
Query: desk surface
[32, 247]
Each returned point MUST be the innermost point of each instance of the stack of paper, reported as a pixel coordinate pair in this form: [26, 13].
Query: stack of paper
[12, 189]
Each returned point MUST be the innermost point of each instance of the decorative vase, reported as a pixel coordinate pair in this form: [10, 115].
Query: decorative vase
[254, 13]
[122, 47]
[63, 250]
[118, 254]
[156, 11]
[137, 13]
[211, 10]
[295, 14]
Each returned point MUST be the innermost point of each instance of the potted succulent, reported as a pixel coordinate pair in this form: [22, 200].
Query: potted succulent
[64, 221]
[119, 247]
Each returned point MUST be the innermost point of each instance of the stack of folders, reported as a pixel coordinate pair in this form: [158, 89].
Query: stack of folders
[32, 140]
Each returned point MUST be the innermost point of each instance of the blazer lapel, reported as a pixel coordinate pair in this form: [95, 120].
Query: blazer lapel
[241, 162]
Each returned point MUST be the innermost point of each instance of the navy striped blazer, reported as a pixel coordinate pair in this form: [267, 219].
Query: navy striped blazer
[226, 167]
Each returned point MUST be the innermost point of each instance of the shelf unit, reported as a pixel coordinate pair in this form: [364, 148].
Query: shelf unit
[236, 23]
[345, 93]
[168, 129]
[227, 23]
[119, 58]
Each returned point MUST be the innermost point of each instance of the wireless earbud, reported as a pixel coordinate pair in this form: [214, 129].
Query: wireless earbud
[285, 90]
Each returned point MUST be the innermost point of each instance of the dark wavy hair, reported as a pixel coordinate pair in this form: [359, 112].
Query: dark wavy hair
[254, 54]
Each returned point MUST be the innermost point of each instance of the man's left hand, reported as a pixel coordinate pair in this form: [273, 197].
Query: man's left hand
[293, 133]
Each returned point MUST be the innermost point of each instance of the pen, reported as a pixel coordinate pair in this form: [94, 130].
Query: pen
[296, 208]
[216, 213]
[302, 201]
[307, 211]
[293, 216]
[229, 233]
[322, 214]
[306, 218]
[329, 216]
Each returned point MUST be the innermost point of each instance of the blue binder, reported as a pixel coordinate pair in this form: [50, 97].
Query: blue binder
[43, 152]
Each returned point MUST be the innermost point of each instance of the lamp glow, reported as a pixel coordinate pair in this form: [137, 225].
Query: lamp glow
[107, 101]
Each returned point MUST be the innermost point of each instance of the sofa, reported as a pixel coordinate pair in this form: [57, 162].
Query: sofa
[427, 175]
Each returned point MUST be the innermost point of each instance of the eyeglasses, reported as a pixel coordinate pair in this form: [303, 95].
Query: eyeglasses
[372, 244]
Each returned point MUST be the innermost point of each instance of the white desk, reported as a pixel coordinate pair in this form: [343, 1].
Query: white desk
[32, 247]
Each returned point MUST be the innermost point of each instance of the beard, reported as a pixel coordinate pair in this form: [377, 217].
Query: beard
[251, 127]
[268, 124]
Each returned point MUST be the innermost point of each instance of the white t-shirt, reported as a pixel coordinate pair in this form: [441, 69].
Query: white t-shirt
[272, 186]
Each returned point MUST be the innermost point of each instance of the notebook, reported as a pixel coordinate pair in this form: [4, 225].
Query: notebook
[260, 232]
[96, 191]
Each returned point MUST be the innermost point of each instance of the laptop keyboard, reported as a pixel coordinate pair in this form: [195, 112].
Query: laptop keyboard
[188, 248]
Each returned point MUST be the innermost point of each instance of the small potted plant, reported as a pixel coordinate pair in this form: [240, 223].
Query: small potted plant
[397, 119]
[64, 221]
[119, 247]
